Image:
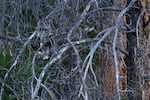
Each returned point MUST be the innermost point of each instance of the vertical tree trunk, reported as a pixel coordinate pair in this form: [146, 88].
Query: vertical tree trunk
[145, 29]
[133, 75]
[105, 71]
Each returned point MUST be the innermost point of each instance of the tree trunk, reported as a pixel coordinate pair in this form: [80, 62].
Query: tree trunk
[133, 75]
[105, 70]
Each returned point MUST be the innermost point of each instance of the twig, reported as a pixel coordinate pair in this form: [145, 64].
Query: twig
[82, 17]
[14, 64]
[50, 63]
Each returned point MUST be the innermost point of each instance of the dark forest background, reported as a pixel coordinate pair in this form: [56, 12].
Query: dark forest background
[74, 50]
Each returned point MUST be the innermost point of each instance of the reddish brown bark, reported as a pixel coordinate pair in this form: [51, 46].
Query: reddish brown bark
[130, 75]
[105, 70]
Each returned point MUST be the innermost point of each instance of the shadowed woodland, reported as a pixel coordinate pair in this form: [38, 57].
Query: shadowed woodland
[74, 50]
